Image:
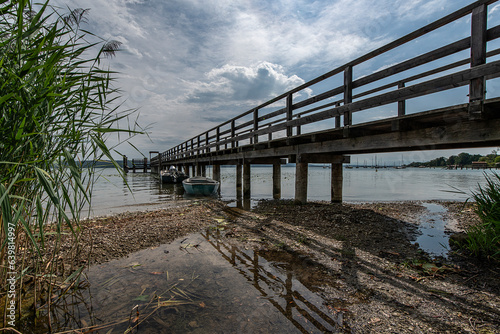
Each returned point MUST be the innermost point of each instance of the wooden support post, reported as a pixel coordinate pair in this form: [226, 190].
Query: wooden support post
[239, 181]
[207, 149]
[145, 170]
[337, 118]
[198, 145]
[299, 131]
[255, 124]
[216, 172]
[216, 175]
[277, 180]
[133, 166]
[233, 134]
[246, 181]
[197, 168]
[477, 87]
[160, 164]
[402, 103]
[289, 114]
[203, 168]
[348, 94]
[217, 138]
[337, 182]
[301, 169]
[125, 164]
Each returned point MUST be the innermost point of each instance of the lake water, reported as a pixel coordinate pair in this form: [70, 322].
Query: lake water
[200, 284]
[112, 195]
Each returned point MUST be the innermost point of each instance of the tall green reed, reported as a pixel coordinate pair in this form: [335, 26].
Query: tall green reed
[58, 107]
[483, 240]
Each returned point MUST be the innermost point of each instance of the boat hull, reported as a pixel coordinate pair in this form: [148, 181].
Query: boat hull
[200, 186]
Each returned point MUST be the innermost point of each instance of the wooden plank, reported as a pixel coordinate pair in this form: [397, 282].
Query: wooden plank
[289, 113]
[439, 84]
[301, 169]
[256, 124]
[348, 85]
[477, 87]
[323, 158]
[414, 62]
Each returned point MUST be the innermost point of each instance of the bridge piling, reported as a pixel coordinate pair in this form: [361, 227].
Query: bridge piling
[277, 180]
[239, 184]
[246, 181]
[301, 169]
[337, 182]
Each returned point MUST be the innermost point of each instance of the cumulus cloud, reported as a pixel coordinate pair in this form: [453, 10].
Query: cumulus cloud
[258, 83]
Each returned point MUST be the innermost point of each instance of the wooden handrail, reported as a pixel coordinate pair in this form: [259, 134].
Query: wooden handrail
[261, 124]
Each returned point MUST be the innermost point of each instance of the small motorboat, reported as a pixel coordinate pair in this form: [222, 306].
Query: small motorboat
[167, 177]
[200, 185]
[172, 176]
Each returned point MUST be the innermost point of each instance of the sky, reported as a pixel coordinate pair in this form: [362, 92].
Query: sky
[188, 65]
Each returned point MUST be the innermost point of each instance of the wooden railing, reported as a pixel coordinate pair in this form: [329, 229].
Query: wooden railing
[257, 126]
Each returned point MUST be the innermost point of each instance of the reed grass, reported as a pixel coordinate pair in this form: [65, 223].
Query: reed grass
[483, 240]
[58, 108]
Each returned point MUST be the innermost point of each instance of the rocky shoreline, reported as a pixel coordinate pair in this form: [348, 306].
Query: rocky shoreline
[377, 277]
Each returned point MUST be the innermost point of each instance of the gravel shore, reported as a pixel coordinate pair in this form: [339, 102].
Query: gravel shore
[377, 277]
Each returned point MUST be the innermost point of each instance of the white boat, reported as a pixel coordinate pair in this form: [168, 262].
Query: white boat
[200, 185]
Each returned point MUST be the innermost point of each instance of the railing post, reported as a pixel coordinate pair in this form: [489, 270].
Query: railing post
[255, 124]
[299, 131]
[217, 138]
[207, 149]
[337, 118]
[198, 146]
[289, 114]
[348, 94]
[233, 143]
[477, 87]
[402, 103]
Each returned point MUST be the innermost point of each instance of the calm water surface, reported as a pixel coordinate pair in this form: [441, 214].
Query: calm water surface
[199, 284]
[111, 194]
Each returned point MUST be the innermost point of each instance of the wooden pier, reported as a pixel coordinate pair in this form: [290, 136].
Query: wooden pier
[136, 165]
[283, 129]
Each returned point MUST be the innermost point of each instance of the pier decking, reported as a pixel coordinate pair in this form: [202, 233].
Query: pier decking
[288, 129]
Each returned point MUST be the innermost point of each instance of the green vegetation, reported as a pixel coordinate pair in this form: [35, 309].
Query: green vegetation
[57, 108]
[483, 240]
[463, 159]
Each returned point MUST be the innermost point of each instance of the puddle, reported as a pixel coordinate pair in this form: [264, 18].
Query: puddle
[433, 238]
[197, 284]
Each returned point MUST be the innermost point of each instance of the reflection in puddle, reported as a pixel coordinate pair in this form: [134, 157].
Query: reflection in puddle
[433, 239]
[197, 285]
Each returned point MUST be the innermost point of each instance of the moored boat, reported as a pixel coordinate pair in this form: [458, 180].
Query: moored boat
[200, 185]
[172, 176]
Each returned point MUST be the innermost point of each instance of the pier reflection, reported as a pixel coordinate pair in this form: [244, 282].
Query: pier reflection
[201, 283]
[272, 274]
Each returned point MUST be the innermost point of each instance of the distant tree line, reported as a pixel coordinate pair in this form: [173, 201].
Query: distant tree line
[463, 159]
